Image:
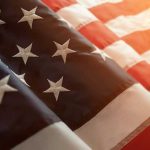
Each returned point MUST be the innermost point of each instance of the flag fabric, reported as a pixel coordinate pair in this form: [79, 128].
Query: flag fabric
[26, 123]
[129, 50]
[82, 85]
[116, 26]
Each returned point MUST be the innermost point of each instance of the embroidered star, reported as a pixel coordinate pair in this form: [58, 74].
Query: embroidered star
[25, 53]
[4, 87]
[63, 50]
[101, 53]
[29, 16]
[56, 88]
[21, 78]
[1, 21]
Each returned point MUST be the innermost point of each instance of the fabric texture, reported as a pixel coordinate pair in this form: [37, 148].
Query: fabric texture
[48, 69]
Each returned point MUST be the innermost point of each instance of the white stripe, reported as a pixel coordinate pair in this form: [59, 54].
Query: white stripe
[117, 120]
[146, 56]
[124, 25]
[92, 3]
[86, 3]
[54, 137]
[77, 15]
[123, 54]
[108, 1]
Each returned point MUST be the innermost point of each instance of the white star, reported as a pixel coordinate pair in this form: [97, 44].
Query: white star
[2, 22]
[29, 16]
[25, 53]
[101, 53]
[21, 77]
[4, 87]
[63, 50]
[56, 88]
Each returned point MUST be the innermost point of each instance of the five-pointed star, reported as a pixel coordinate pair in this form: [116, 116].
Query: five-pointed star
[56, 88]
[25, 53]
[4, 87]
[21, 78]
[101, 53]
[63, 50]
[29, 16]
[2, 22]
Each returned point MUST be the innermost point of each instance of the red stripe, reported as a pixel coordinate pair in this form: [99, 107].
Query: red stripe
[101, 36]
[141, 72]
[141, 142]
[140, 41]
[58, 4]
[98, 34]
[108, 11]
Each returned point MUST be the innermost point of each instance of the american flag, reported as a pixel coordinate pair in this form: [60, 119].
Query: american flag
[119, 27]
[61, 90]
